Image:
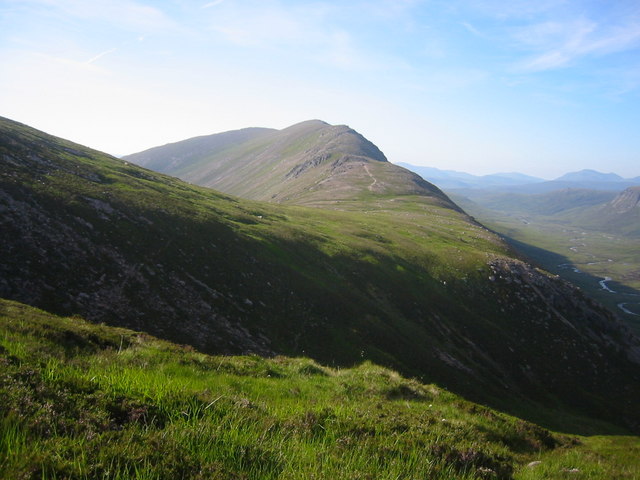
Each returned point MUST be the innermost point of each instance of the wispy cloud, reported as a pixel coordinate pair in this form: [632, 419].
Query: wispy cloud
[123, 45]
[513, 9]
[100, 55]
[212, 4]
[308, 29]
[123, 13]
[561, 44]
[470, 28]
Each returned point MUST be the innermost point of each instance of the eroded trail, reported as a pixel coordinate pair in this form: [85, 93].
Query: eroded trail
[370, 187]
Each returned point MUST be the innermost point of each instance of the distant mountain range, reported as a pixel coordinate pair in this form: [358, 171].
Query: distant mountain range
[447, 179]
[519, 183]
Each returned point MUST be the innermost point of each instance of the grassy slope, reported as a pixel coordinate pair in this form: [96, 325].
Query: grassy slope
[174, 156]
[86, 401]
[406, 282]
[310, 163]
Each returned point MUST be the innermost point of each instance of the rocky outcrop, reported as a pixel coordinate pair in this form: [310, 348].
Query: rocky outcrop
[626, 201]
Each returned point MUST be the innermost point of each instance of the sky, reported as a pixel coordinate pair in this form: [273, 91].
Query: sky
[541, 87]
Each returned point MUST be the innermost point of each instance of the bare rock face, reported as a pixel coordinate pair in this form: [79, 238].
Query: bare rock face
[628, 200]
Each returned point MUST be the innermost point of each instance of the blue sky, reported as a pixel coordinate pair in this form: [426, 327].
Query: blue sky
[541, 87]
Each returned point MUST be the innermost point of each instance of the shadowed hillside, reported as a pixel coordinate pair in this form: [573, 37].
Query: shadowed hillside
[403, 280]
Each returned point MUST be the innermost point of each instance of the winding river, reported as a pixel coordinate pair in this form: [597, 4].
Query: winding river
[604, 286]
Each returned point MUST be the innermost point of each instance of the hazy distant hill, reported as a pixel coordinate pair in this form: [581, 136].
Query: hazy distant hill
[311, 163]
[584, 179]
[464, 183]
[448, 179]
[600, 210]
[551, 203]
[589, 176]
[627, 201]
[621, 215]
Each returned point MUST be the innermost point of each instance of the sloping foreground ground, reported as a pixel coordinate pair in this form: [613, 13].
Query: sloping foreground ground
[86, 401]
[404, 281]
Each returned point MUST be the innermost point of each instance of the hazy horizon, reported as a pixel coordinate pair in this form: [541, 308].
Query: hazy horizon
[481, 87]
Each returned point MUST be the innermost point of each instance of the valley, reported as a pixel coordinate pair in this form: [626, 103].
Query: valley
[308, 263]
[606, 264]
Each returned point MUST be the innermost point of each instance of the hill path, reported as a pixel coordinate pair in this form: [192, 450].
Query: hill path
[370, 187]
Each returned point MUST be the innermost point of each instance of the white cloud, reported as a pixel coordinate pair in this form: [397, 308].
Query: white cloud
[561, 44]
[212, 4]
[127, 14]
[513, 9]
[306, 31]
[100, 55]
[472, 29]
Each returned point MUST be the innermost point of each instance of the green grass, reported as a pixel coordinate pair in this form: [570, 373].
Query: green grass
[598, 457]
[399, 279]
[86, 401]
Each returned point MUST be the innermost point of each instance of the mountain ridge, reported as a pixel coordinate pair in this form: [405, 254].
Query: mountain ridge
[309, 163]
[404, 281]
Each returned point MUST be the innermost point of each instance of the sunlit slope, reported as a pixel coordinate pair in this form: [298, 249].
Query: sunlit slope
[405, 282]
[176, 156]
[310, 163]
[89, 401]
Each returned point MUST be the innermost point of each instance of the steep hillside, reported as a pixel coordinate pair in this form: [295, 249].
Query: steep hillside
[87, 401]
[622, 214]
[409, 282]
[311, 163]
